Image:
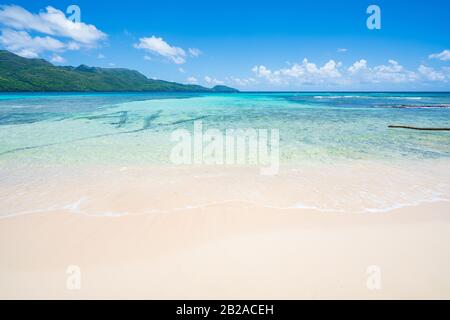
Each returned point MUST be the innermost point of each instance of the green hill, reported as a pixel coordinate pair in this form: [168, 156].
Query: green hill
[37, 75]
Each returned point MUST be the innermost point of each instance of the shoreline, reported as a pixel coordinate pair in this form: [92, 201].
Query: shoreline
[74, 208]
[361, 187]
[201, 232]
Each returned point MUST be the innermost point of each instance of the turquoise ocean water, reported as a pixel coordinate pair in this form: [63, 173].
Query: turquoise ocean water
[129, 128]
[99, 153]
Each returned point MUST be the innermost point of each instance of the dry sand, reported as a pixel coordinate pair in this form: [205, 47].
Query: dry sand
[226, 250]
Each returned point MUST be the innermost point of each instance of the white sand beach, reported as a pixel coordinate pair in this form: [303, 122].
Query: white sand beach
[179, 238]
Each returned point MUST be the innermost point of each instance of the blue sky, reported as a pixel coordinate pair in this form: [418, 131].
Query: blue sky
[252, 45]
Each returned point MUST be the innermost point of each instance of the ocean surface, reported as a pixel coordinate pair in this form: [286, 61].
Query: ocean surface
[336, 151]
[135, 128]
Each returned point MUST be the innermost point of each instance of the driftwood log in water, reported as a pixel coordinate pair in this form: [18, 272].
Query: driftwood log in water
[418, 128]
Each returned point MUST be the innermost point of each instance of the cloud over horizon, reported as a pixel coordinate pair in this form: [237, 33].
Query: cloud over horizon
[334, 73]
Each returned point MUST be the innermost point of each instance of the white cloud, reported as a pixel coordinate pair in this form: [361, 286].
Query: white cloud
[57, 59]
[212, 81]
[52, 22]
[357, 66]
[444, 55]
[342, 50]
[181, 70]
[306, 72]
[263, 72]
[159, 46]
[192, 80]
[72, 45]
[392, 72]
[27, 46]
[100, 56]
[431, 74]
[194, 52]
[333, 73]
[56, 33]
[148, 58]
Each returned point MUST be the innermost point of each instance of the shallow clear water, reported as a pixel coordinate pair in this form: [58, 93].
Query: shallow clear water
[135, 128]
[88, 153]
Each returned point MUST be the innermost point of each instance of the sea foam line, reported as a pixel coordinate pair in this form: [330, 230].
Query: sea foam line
[75, 208]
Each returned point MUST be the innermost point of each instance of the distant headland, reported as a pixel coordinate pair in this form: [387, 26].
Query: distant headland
[18, 74]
